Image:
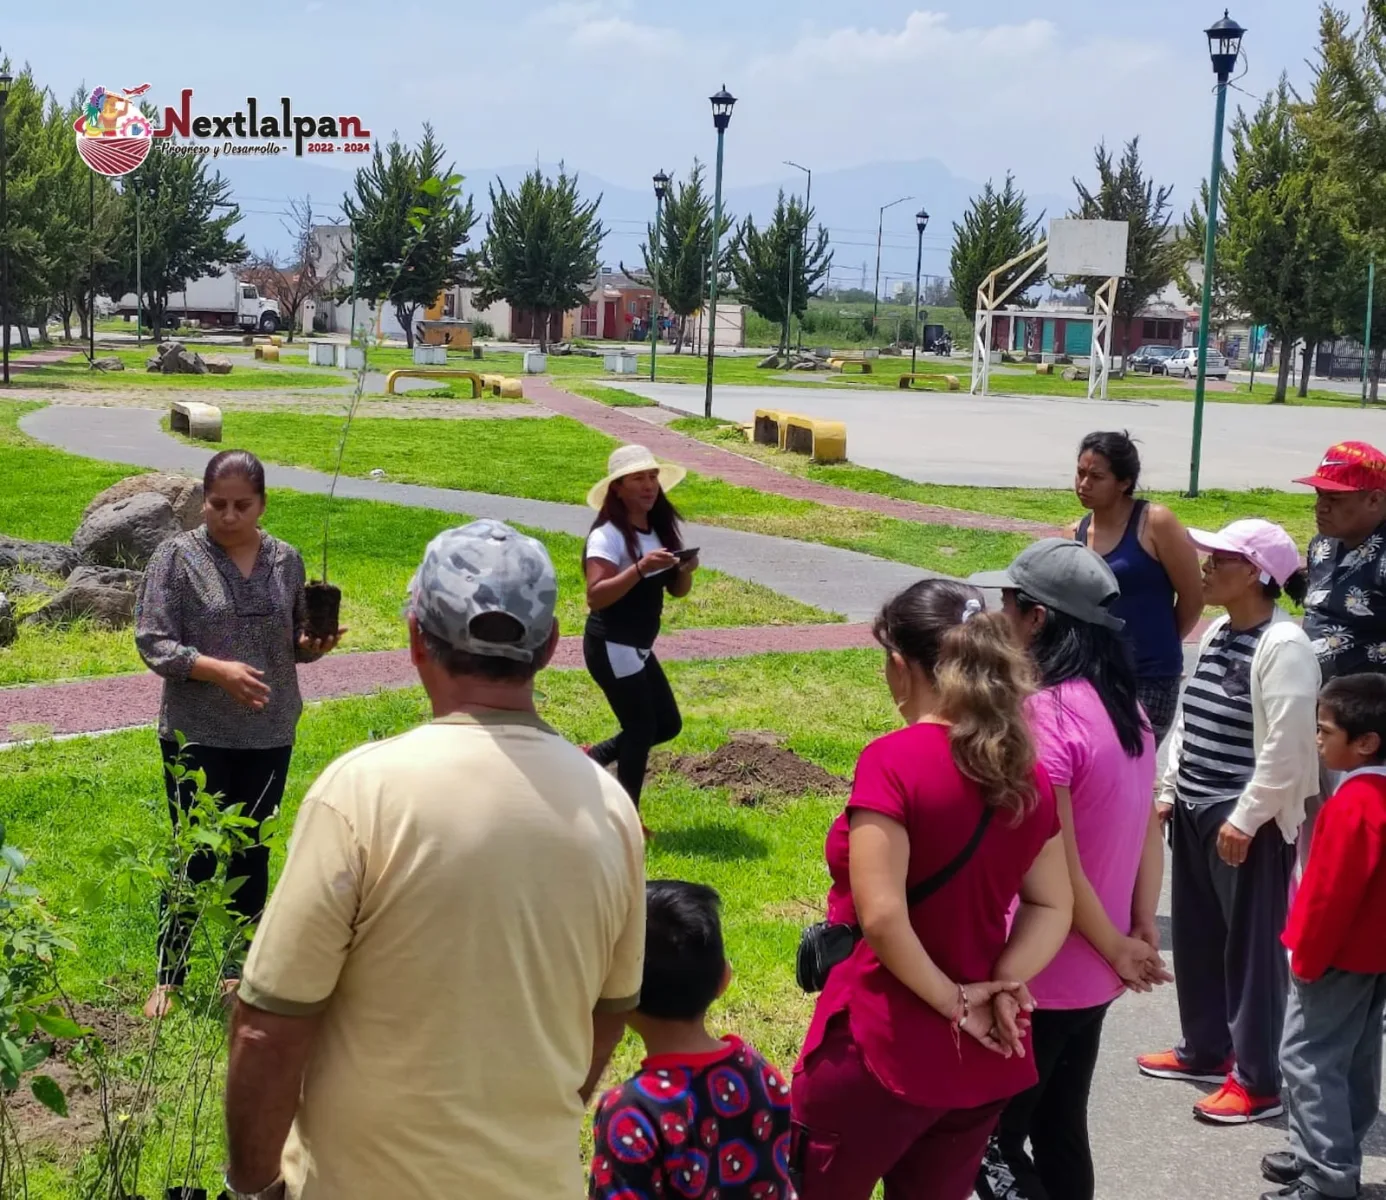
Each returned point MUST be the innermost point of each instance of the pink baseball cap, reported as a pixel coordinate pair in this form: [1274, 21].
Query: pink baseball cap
[1265, 545]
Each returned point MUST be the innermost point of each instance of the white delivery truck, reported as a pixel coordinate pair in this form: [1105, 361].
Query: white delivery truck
[216, 301]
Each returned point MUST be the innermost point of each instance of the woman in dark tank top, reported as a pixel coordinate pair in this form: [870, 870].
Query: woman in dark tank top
[1155, 564]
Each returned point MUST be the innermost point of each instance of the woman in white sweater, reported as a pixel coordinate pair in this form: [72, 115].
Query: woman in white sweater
[1242, 762]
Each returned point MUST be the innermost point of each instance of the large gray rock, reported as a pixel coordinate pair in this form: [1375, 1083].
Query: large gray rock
[126, 533]
[174, 358]
[107, 607]
[183, 492]
[109, 364]
[110, 577]
[52, 558]
[9, 629]
[218, 364]
[22, 584]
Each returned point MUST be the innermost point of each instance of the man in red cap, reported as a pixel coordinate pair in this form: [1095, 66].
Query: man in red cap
[1345, 610]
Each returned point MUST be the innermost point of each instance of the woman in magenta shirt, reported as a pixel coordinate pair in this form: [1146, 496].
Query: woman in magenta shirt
[915, 1046]
[1096, 745]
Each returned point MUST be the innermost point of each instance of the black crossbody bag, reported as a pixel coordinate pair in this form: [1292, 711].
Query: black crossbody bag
[824, 945]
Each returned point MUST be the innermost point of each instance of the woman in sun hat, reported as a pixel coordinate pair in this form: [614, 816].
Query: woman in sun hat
[634, 554]
[1242, 763]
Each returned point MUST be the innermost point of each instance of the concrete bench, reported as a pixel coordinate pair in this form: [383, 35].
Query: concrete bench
[434, 373]
[200, 421]
[950, 383]
[768, 429]
[822, 441]
[841, 364]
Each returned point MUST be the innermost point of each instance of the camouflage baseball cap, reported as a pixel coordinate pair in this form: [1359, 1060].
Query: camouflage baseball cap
[485, 567]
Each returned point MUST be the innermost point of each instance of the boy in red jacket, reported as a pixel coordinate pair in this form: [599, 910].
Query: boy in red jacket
[1331, 1052]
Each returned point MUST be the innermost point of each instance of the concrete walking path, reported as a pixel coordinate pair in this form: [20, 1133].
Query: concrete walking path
[838, 581]
[727, 465]
[126, 701]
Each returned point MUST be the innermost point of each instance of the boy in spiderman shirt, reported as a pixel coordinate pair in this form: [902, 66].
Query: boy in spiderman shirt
[1331, 1050]
[705, 1118]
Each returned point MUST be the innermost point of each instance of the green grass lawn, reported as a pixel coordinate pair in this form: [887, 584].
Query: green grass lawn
[75, 373]
[610, 396]
[65, 802]
[1211, 510]
[557, 458]
[375, 550]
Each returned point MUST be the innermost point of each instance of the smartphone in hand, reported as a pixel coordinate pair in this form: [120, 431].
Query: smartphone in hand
[685, 555]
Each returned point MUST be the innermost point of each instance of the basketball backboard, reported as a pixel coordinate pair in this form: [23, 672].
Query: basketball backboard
[1088, 247]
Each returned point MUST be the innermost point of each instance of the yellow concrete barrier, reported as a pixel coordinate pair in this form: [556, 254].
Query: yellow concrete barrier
[271, 353]
[766, 429]
[823, 441]
[843, 363]
[492, 381]
[1044, 369]
[432, 373]
[950, 383]
[511, 389]
[260, 350]
[276, 340]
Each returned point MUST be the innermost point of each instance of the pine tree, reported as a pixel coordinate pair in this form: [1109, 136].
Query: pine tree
[409, 221]
[765, 264]
[995, 229]
[683, 245]
[1123, 193]
[542, 248]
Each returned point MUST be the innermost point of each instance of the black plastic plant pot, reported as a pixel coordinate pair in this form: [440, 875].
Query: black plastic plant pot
[324, 609]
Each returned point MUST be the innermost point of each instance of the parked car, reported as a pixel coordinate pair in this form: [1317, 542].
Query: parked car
[1147, 358]
[1184, 363]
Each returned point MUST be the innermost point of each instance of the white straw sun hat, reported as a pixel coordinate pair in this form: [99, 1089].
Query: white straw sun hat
[630, 460]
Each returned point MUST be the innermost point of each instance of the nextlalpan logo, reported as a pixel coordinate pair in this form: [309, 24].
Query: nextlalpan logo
[114, 136]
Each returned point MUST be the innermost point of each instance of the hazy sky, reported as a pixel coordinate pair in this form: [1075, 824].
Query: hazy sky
[616, 88]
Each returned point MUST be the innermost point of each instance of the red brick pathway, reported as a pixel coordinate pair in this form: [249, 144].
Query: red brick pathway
[123, 701]
[737, 468]
[43, 358]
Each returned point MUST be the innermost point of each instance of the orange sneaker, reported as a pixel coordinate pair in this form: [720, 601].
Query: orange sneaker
[1168, 1065]
[1232, 1104]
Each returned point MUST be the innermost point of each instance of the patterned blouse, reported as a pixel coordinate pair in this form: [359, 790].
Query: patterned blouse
[1345, 610]
[195, 601]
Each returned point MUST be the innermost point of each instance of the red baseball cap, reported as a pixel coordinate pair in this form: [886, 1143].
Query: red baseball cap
[1350, 467]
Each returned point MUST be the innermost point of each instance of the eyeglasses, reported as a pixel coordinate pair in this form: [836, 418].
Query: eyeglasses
[1219, 559]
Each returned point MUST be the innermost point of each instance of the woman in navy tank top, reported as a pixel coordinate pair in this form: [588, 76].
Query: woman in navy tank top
[1154, 561]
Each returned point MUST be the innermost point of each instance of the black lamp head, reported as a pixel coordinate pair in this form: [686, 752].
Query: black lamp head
[722, 104]
[661, 185]
[1224, 45]
[921, 220]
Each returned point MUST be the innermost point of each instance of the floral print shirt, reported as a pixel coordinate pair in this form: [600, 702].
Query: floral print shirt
[1345, 610]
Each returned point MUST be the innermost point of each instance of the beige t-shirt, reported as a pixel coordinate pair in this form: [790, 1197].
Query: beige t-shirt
[456, 902]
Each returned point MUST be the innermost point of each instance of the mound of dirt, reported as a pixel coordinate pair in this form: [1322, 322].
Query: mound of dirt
[754, 767]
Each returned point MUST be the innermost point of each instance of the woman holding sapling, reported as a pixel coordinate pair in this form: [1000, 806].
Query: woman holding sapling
[222, 618]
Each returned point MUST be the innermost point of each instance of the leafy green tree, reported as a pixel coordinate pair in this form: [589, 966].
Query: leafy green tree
[405, 201]
[683, 245]
[29, 172]
[1284, 249]
[542, 247]
[1124, 193]
[764, 263]
[995, 228]
[185, 217]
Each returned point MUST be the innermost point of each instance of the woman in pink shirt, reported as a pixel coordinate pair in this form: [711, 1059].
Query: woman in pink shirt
[914, 1048]
[1096, 745]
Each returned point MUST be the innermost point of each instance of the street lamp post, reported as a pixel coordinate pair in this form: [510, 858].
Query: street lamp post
[722, 104]
[921, 223]
[661, 189]
[1224, 47]
[5, 81]
[880, 229]
[808, 200]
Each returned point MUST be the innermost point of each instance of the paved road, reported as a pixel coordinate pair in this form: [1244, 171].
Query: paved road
[839, 581]
[1029, 441]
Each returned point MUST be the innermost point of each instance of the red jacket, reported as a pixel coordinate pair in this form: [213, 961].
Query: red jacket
[1340, 908]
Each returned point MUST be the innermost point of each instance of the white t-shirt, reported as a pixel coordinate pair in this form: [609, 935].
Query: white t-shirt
[609, 544]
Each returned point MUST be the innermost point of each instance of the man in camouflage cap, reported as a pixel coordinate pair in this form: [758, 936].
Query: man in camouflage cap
[445, 965]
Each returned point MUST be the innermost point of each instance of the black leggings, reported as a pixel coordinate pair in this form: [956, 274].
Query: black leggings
[644, 705]
[1053, 1114]
[253, 778]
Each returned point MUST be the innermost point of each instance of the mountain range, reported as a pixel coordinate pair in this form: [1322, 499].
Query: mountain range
[847, 202]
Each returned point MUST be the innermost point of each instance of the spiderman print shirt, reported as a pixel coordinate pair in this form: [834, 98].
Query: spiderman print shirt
[695, 1127]
[1345, 610]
